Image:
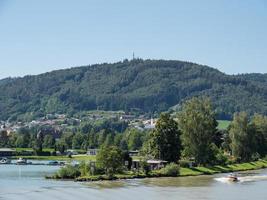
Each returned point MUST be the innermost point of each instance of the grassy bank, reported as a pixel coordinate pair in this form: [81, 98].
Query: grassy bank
[196, 171]
[223, 169]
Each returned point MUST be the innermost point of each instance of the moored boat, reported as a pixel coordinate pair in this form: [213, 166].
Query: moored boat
[5, 161]
[53, 162]
[21, 161]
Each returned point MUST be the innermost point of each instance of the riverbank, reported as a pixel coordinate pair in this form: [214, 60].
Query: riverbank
[223, 169]
[58, 158]
[195, 171]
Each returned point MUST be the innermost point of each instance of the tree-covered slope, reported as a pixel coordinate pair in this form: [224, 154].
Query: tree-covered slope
[147, 85]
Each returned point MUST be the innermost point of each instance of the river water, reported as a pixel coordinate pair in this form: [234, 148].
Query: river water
[28, 183]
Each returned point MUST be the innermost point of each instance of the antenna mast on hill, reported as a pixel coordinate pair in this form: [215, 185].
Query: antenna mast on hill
[133, 56]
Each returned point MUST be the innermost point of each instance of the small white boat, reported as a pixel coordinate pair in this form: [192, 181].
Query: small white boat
[232, 178]
[21, 161]
[5, 161]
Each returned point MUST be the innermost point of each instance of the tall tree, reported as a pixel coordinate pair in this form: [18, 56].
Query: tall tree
[260, 123]
[38, 144]
[242, 135]
[49, 141]
[92, 140]
[110, 159]
[77, 140]
[135, 139]
[164, 142]
[198, 125]
[3, 139]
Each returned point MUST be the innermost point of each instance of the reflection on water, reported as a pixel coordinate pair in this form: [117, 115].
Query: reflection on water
[27, 182]
[179, 181]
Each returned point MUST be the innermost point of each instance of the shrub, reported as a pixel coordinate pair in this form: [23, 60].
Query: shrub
[184, 163]
[171, 169]
[110, 159]
[68, 172]
[84, 168]
[255, 156]
[221, 159]
[145, 167]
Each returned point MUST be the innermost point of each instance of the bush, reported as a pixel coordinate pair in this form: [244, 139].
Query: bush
[221, 159]
[255, 156]
[171, 169]
[184, 163]
[68, 172]
[144, 167]
[84, 168]
[110, 159]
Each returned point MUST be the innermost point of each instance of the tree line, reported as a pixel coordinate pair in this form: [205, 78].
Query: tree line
[191, 134]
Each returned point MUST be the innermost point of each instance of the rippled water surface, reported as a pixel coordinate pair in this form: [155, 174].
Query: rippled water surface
[27, 183]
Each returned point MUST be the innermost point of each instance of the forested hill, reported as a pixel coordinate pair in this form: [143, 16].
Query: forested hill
[146, 85]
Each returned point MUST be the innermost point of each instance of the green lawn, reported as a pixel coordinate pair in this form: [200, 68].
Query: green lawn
[223, 169]
[30, 149]
[223, 124]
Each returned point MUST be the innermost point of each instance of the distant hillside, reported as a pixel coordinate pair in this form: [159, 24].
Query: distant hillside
[6, 80]
[146, 85]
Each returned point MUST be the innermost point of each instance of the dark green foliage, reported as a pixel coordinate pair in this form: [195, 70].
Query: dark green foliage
[24, 138]
[68, 172]
[110, 159]
[134, 138]
[49, 141]
[198, 126]
[171, 170]
[164, 142]
[242, 135]
[38, 142]
[4, 140]
[79, 141]
[146, 85]
[260, 124]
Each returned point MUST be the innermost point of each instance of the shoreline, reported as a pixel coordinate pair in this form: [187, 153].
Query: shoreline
[184, 172]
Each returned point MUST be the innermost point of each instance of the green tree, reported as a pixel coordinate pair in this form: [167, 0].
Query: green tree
[38, 144]
[110, 159]
[66, 139]
[123, 145]
[61, 146]
[3, 139]
[77, 140]
[260, 123]
[242, 135]
[198, 126]
[92, 140]
[135, 139]
[109, 141]
[164, 142]
[12, 140]
[49, 141]
[23, 140]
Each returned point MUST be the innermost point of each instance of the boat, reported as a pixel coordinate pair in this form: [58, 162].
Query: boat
[21, 161]
[5, 161]
[232, 178]
[53, 162]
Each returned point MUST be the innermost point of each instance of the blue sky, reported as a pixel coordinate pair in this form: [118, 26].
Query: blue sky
[40, 36]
